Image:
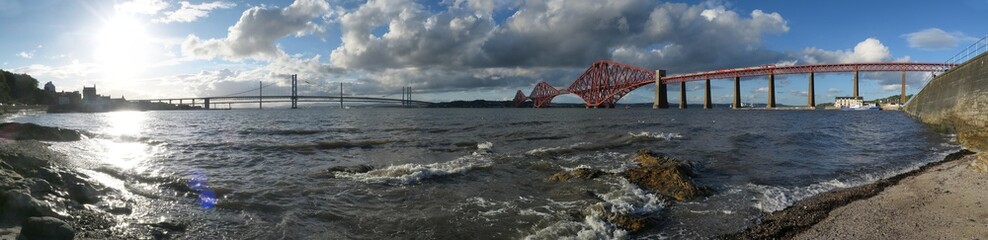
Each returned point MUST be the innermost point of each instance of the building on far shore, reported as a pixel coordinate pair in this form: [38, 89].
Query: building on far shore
[846, 102]
[61, 98]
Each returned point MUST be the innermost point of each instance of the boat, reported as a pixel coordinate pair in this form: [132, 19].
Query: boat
[861, 107]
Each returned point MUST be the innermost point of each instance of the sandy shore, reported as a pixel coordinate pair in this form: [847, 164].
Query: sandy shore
[942, 200]
[948, 201]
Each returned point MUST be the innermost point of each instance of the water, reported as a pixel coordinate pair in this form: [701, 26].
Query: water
[474, 173]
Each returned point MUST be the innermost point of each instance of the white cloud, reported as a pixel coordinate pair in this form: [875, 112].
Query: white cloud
[146, 7]
[255, 35]
[834, 90]
[28, 55]
[936, 39]
[75, 69]
[191, 12]
[869, 50]
[388, 43]
[891, 87]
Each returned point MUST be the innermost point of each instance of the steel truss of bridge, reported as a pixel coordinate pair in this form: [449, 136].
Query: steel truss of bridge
[606, 82]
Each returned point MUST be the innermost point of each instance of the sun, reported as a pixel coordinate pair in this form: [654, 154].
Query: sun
[122, 49]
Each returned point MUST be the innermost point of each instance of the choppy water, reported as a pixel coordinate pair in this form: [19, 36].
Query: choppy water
[474, 173]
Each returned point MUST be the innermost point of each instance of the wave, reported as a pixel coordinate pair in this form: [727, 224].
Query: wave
[774, 198]
[295, 132]
[624, 199]
[655, 136]
[412, 173]
[326, 145]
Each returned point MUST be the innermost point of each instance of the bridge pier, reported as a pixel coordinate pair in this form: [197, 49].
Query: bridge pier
[706, 96]
[855, 83]
[682, 95]
[902, 96]
[661, 91]
[810, 99]
[771, 91]
[206, 103]
[737, 93]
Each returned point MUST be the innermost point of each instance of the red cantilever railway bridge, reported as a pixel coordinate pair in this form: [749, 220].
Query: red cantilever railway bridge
[605, 82]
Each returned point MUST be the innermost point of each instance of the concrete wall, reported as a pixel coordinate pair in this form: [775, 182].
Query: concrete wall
[957, 101]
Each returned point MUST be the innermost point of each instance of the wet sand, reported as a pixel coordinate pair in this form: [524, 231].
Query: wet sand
[942, 200]
[949, 201]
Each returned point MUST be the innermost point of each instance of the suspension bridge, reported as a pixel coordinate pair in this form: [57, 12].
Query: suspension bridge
[256, 96]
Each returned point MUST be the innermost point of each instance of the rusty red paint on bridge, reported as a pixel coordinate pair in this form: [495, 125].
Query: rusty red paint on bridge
[606, 82]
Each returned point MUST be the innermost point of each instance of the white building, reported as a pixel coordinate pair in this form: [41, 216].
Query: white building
[846, 102]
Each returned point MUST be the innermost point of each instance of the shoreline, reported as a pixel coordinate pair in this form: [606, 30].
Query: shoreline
[830, 207]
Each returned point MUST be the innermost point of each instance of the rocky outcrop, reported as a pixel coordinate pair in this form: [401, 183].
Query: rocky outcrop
[578, 173]
[42, 199]
[631, 223]
[46, 228]
[663, 175]
[30, 131]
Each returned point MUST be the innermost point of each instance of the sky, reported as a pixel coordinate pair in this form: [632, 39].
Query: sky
[469, 49]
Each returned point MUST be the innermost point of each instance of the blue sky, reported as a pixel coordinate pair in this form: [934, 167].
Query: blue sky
[468, 49]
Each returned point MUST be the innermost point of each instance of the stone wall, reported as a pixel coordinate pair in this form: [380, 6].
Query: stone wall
[957, 101]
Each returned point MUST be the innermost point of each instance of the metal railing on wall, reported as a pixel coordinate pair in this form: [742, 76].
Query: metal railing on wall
[974, 50]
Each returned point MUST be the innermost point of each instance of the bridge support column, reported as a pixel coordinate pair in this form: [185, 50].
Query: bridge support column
[661, 91]
[682, 95]
[193, 102]
[706, 95]
[294, 91]
[856, 84]
[810, 98]
[658, 81]
[902, 96]
[771, 91]
[180, 102]
[737, 93]
[663, 95]
[206, 102]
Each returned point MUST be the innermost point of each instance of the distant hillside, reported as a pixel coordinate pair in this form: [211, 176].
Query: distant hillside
[892, 99]
[20, 88]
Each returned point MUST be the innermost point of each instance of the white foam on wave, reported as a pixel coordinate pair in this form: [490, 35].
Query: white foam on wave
[555, 150]
[411, 173]
[625, 198]
[775, 198]
[656, 135]
[485, 146]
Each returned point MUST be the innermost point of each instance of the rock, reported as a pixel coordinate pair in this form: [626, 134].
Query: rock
[170, 225]
[18, 205]
[578, 173]
[30, 131]
[46, 228]
[663, 175]
[80, 189]
[39, 187]
[10, 233]
[980, 164]
[624, 221]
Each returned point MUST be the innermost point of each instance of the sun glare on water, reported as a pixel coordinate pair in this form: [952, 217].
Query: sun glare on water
[122, 49]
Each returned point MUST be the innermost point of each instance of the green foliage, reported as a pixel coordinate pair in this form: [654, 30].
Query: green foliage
[21, 88]
[893, 98]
